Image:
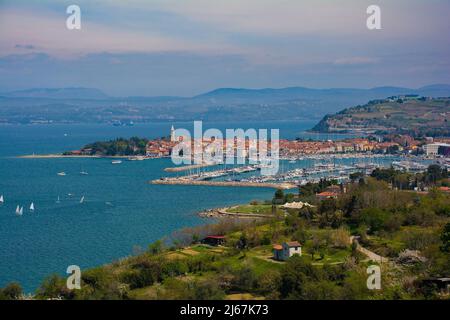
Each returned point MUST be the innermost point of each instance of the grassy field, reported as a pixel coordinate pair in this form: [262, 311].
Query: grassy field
[254, 209]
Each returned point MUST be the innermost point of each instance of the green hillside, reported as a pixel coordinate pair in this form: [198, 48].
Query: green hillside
[412, 115]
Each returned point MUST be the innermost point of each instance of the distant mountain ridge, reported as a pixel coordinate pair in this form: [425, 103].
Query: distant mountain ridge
[222, 104]
[58, 93]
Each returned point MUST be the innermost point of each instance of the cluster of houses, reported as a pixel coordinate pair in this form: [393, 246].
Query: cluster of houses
[293, 148]
[159, 148]
[289, 148]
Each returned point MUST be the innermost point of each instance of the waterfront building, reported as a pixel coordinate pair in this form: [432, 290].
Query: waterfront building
[434, 149]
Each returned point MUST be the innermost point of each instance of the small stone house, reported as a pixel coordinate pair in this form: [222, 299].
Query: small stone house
[286, 250]
[214, 240]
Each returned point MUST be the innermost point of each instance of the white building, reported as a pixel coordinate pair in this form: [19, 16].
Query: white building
[433, 149]
[173, 137]
[286, 250]
[296, 205]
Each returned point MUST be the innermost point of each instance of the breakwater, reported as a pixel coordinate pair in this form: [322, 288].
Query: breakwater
[189, 167]
[180, 181]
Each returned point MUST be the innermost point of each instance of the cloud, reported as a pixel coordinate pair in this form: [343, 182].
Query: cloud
[400, 18]
[49, 31]
[25, 46]
[356, 61]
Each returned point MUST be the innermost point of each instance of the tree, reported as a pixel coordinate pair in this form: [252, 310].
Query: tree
[195, 238]
[316, 246]
[279, 197]
[155, 247]
[356, 176]
[295, 275]
[243, 241]
[435, 173]
[374, 218]
[244, 280]
[445, 238]
[269, 284]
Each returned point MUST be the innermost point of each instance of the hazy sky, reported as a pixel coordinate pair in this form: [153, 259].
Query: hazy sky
[187, 47]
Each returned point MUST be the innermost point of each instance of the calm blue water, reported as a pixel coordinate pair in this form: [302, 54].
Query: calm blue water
[121, 210]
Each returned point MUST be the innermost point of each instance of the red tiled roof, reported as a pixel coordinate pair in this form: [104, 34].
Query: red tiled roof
[215, 237]
[293, 244]
[327, 194]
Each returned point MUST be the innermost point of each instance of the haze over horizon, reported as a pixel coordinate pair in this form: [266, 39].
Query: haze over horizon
[44, 91]
[160, 48]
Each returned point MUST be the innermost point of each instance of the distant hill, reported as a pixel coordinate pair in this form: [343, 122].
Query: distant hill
[224, 104]
[58, 93]
[414, 115]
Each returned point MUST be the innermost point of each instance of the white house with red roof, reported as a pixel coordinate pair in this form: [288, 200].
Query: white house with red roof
[286, 250]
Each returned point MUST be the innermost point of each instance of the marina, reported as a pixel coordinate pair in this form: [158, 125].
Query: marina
[293, 172]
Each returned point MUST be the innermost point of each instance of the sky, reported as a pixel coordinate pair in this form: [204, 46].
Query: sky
[187, 47]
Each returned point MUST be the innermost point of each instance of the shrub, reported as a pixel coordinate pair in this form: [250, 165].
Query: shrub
[340, 238]
[54, 287]
[11, 292]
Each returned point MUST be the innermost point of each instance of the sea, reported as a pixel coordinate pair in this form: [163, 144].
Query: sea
[121, 211]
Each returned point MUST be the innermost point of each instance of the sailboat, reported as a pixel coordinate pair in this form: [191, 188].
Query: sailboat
[32, 207]
[19, 210]
[2, 201]
[58, 201]
[82, 199]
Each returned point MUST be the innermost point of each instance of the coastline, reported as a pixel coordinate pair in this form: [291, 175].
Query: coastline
[60, 156]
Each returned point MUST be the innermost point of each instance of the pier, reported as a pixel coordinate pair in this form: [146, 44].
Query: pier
[189, 167]
[181, 181]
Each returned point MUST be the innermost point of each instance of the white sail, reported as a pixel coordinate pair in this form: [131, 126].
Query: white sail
[82, 199]
[18, 210]
[32, 206]
[58, 201]
[21, 211]
[1, 199]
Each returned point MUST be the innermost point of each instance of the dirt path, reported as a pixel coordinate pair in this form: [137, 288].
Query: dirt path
[370, 254]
